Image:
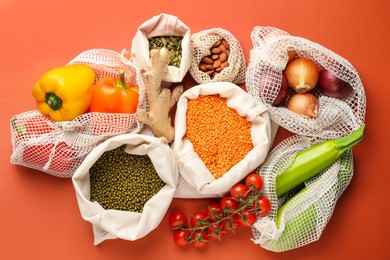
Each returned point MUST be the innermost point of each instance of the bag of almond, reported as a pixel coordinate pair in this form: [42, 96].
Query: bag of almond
[217, 56]
[221, 135]
[160, 31]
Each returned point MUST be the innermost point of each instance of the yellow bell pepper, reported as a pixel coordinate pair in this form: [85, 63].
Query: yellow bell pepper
[64, 93]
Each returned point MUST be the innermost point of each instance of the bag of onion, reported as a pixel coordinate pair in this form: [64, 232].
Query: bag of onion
[125, 186]
[221, 135]
[308, 89]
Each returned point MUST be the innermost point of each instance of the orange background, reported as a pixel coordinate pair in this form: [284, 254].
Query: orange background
[39, 215]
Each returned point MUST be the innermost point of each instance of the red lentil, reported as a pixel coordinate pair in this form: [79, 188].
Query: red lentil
[219, 135]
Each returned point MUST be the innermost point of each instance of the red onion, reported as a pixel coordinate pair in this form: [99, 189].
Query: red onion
[282, 92]
[333, 86]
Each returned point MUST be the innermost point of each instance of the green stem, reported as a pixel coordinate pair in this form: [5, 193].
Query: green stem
[226, 217]
[53, 101]
[122, 80]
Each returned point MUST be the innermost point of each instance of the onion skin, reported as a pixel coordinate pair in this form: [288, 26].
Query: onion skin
[302, 74]
[333, 86]
[305, 104]
[282, 92]
[291, 56]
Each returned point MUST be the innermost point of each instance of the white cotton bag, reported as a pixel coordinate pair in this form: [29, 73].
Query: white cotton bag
[111, 224]
[196, 180]
[202, 42]
[162, 25]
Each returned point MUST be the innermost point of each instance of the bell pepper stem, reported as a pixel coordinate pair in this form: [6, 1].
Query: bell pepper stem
[53, 101]
[122, 80]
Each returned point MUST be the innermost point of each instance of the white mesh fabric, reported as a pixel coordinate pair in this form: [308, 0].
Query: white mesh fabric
[58, 148]
[268, 59]
[201, 44]
[309, 213]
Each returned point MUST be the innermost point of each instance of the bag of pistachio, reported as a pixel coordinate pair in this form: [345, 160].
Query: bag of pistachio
[125, 186]
[217, 56]
[168, 31]
[221, 135]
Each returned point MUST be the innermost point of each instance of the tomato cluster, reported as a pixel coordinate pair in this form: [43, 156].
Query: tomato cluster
[241, 207]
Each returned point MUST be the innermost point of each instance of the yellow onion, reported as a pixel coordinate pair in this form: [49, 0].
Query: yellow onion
[305, 104]
[302, 74]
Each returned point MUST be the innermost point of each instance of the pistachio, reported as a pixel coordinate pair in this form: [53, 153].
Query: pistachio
[172, 43]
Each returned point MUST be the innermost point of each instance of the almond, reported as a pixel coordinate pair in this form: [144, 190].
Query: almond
[207, 60]
[224, 64]
[210, 72]
[215, 56]
[203, 67]
[223, 57]
[217, 63]
[225, 44]
[216, 50]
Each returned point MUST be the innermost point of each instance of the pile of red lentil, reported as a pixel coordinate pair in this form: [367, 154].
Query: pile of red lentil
[219, 135]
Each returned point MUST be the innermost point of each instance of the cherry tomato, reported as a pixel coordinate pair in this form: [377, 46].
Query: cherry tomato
[239, 191]
[181, 237]
[248, 218]
[177, 219]
[254, 181]
[198, 218]
[263, 204]
[214, 212]
[233, 223]
[216, 231]
[199, 240]
[229, 204]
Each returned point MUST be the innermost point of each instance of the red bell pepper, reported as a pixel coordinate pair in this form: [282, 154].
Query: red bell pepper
[114, 95]
[38, 155]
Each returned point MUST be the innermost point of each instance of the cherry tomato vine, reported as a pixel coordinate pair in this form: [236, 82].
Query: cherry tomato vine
[242, 207]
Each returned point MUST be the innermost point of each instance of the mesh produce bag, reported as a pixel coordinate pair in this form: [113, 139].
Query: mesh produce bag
[202, 42]
[162, 25]
[268, 59]
[125, 224]
[197, 180]
[58, 148]
[305, 218]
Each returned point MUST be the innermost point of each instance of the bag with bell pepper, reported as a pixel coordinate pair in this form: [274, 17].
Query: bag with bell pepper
[78, 106]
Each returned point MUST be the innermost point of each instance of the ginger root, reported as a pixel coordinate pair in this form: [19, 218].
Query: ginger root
[161, 99]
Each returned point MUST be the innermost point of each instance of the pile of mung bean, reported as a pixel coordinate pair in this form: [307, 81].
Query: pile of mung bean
[123, 181]
[172, 43]
[219, 135]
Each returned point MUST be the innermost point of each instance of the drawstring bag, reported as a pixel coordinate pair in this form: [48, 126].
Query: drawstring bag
[162, 25]
[58, 148]
[305, 218]
[234, 59]
[197, 181]
[124, 224]
[268, 59]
